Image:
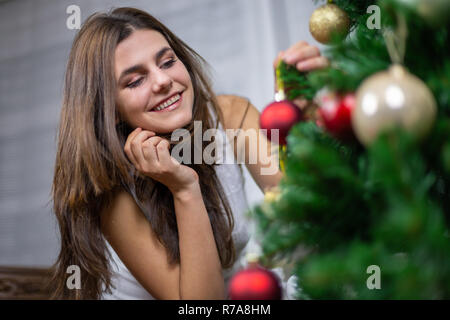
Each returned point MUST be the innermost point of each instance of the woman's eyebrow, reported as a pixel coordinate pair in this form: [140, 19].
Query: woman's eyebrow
[130, 70]
[161, 52]
[138, 67]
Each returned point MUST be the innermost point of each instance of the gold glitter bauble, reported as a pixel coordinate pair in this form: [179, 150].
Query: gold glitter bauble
[326, 20]
[393, 98]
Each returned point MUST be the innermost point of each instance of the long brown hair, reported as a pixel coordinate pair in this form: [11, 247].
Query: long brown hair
[91, 164]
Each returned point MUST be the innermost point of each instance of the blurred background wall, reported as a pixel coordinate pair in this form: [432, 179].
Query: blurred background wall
[239, 38]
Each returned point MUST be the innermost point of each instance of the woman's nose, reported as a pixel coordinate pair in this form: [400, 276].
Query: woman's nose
[161, 81]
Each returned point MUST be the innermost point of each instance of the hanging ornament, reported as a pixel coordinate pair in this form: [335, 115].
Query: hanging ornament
[336, 114]
[255, 283]
[281, 114]
[393, 98]
[328, 20]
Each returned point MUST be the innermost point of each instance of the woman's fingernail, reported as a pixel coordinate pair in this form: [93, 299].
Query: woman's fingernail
[288, 58]
[302, 66]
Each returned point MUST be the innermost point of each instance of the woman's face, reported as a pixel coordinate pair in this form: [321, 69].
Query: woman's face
[149, 77]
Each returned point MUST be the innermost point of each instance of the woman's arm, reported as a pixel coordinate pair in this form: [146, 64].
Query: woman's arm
[251, 142]
[200, 268]
[199, 273]
[305, 58]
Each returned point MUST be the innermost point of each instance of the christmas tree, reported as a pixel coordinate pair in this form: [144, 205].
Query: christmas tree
[363, 210]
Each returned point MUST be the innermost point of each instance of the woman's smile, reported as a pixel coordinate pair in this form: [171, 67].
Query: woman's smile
[169, 104]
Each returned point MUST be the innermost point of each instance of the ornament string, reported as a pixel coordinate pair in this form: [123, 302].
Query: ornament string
[279, 96]
[396, 40]
[282, 158]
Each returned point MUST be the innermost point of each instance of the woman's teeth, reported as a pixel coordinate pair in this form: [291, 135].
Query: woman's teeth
[168, 102]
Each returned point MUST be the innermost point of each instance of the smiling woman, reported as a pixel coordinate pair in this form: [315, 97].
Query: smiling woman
[119, 198]
[138, 223]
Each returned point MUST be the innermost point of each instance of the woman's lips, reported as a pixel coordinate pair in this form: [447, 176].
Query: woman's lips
[173, 106]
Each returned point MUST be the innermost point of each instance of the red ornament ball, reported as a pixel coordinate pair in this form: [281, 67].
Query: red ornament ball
[255, 283]
[281, 115]
[336, 113]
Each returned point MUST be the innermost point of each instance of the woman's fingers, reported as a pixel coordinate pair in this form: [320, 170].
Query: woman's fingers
[289, 52]
[136, 146]
[149, 150]
[303, 56]
[303, 53]
[157, 157]
[312, 64]
[162, 148]
[127, 147]
[295, 47]
[151, 157]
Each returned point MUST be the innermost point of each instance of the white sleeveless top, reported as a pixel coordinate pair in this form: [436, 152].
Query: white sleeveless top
[232, 180]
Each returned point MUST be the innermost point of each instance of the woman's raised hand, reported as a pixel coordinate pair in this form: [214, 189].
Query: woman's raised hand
[303, 56]
[150, 155]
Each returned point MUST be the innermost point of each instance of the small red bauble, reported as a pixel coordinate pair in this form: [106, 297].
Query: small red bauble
[336, 114]
[281, 115]
[255, 283]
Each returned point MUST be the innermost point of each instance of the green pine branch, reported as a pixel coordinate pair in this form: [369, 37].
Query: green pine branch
[352, 207]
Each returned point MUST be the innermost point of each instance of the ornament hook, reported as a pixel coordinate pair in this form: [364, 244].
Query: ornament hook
[396, 40]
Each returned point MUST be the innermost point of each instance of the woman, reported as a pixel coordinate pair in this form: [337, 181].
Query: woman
[138, 223]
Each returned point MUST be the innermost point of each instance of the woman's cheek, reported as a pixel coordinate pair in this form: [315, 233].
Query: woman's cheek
[136, 102]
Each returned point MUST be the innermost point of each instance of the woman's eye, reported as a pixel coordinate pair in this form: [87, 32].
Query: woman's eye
[168, 63]
[135, 83]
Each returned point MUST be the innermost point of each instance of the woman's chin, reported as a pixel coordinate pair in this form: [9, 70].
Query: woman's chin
[171, 127]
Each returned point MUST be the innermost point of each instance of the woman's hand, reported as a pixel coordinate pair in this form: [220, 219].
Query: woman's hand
[304, 57]
[150, 155]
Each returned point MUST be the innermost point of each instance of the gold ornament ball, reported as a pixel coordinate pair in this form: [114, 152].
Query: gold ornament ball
[393, 98]
[326, 20]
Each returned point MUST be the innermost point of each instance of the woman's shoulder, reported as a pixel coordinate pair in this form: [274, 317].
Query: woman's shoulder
[119, 203]
[233, 108]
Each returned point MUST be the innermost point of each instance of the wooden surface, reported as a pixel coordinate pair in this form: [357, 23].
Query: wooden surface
[18, 283]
